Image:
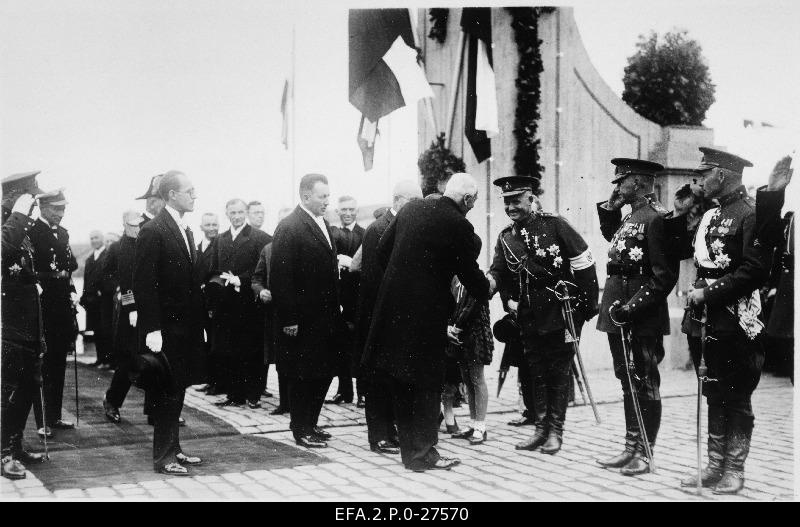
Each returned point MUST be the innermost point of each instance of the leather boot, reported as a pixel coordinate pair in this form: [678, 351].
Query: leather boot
[540, 411]
[651, 415]
[631, 438]
[712, 473]
[740, 431]
[557, 400]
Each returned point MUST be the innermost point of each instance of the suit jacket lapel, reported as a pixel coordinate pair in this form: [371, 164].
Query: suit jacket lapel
[176, 232]
[315, 229]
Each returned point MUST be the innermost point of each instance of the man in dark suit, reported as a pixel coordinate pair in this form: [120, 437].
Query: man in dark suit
[381, 431]
[209, 224]
[428, 243]
[92, 289]
[166, 286]
[236, 325]
[54, 264]
[304, 280]
[118, 269]
[348, 239]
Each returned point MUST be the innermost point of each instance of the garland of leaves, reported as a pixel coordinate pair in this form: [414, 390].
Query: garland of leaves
[525, 22]
[438, 18]
[437, 164]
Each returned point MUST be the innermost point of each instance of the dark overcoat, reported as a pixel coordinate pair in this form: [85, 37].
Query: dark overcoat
[20, 315]
[304, 285]
[347, 243]
[93, 289]
[777, 234]
[371, 276]
[429, 242]
[166, 286]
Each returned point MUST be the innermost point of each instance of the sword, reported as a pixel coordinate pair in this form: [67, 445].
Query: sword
[566, 311]
[627, 350]
[702, 377]
[577, 377]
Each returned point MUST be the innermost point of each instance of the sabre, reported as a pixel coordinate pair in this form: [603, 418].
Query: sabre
[702, 377]
[566, 311]
[628, 352]
[577, 377]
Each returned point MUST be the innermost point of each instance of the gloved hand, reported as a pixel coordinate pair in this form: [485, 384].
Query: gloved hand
[513, 305]
[24, 204]
[344, 261]
[452, 335]
[133, 316]
[265, 296]
[154, 341]
[620, 313]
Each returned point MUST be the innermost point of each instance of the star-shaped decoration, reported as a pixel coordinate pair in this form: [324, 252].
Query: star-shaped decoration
[53, 266]
[554, 250]
[717, 245]
[541, 253]
[15, 269]
[621, 245]
[636, 253]
[722, 260]
[557, 261]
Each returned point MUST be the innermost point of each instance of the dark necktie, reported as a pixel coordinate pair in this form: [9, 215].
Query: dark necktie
[191, 243]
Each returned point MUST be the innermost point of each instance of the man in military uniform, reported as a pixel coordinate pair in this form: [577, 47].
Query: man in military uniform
[731, 266]
[21, 324]
[54, 264]
[532, 256]
[640, 276]
[153, 204]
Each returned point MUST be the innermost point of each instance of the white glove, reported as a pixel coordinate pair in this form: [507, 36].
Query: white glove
[231, 279]
[265, 296]
[153, 341]
[344, 261]
[512, 306]
[133, 316]
[23, 204]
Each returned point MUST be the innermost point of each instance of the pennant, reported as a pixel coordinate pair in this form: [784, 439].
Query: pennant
[367, 133]
[481, 121]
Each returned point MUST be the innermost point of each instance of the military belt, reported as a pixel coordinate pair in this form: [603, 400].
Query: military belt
[52, 275]
[706, 272]
[626, 269]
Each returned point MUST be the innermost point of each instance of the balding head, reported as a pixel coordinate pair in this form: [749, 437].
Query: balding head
[463, 189]
[131, 220]
[405, 191]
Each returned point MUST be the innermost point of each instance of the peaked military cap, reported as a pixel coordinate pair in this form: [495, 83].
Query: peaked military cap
[627, 166]
[513, 185]
[152, 190]
[23, 181]
[713, 158]
[55, 198]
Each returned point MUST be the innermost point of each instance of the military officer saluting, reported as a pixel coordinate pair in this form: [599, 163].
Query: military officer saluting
[54, 264]
[731, 265]
[640, 276]
[533, 254]
[21, 336]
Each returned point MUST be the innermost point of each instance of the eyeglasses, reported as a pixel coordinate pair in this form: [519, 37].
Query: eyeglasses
[191, 192]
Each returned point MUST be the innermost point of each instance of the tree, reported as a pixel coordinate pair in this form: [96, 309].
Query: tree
[668, 82]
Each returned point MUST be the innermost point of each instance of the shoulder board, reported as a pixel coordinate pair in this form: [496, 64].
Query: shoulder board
[658, 207]
[750, 200]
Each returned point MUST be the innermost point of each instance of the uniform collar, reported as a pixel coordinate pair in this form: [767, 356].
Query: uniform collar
[641, 202]
[739, 193]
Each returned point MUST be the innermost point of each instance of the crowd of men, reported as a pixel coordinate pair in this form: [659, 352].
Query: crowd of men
[377, 306]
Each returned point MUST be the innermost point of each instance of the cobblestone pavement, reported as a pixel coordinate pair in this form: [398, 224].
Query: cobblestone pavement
[489, 472]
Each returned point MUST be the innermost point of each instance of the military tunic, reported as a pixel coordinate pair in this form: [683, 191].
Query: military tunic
[54, 263]
[21, 337]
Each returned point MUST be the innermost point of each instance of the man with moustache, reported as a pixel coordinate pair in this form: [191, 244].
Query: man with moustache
[381, 430]
[54, 264]
[348, 239]
[304, 280]
[166, 286]
[236, 326]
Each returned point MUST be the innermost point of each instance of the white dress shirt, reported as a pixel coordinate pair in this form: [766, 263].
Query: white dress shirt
[98, 252]
[235, 232]
[204, 244]
[181, 225]
[319, 220]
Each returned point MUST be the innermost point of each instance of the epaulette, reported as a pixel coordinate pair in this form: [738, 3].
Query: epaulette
[750, 200]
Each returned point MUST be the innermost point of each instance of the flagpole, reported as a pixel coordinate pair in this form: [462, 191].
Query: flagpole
[292, 119]
[454, 87]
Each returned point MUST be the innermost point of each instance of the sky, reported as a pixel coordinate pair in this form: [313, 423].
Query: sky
[103, 94]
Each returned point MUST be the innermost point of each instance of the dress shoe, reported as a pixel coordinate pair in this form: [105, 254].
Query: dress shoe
[538, 439]
[521, 421]
[228, 402]
[384, 447]
[443, 463]
[637, 465]
[254, 405]
[339, 399]
[112, 413]
[360, 402]
[477, 438]
[266, 394]
[173, 469]
[731, 483]
[617, 461]
[181, 421]
[28, 458]
[11, 468]
[463, 434]
[310, 442]
[319, 432]
[183, 459]
[63, 425]
[279, 410]
[552, 445]
[45, 431]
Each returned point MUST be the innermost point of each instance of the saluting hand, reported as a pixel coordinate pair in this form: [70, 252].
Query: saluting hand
[781, 175]
[615, 201]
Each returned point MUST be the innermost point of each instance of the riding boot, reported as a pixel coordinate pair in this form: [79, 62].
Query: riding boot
[651, 416]
[712, 473]
[740, 431]
[631, 437]
[557, 400]
[539, 415]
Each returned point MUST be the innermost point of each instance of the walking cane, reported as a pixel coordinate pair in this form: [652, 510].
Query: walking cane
[627, 350]
[44, 420]
[75, 364]
[577, 377]
[566, 311]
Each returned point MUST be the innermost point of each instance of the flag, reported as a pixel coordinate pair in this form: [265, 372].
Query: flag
[481, 122]
[285, 115]
[384, 71]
